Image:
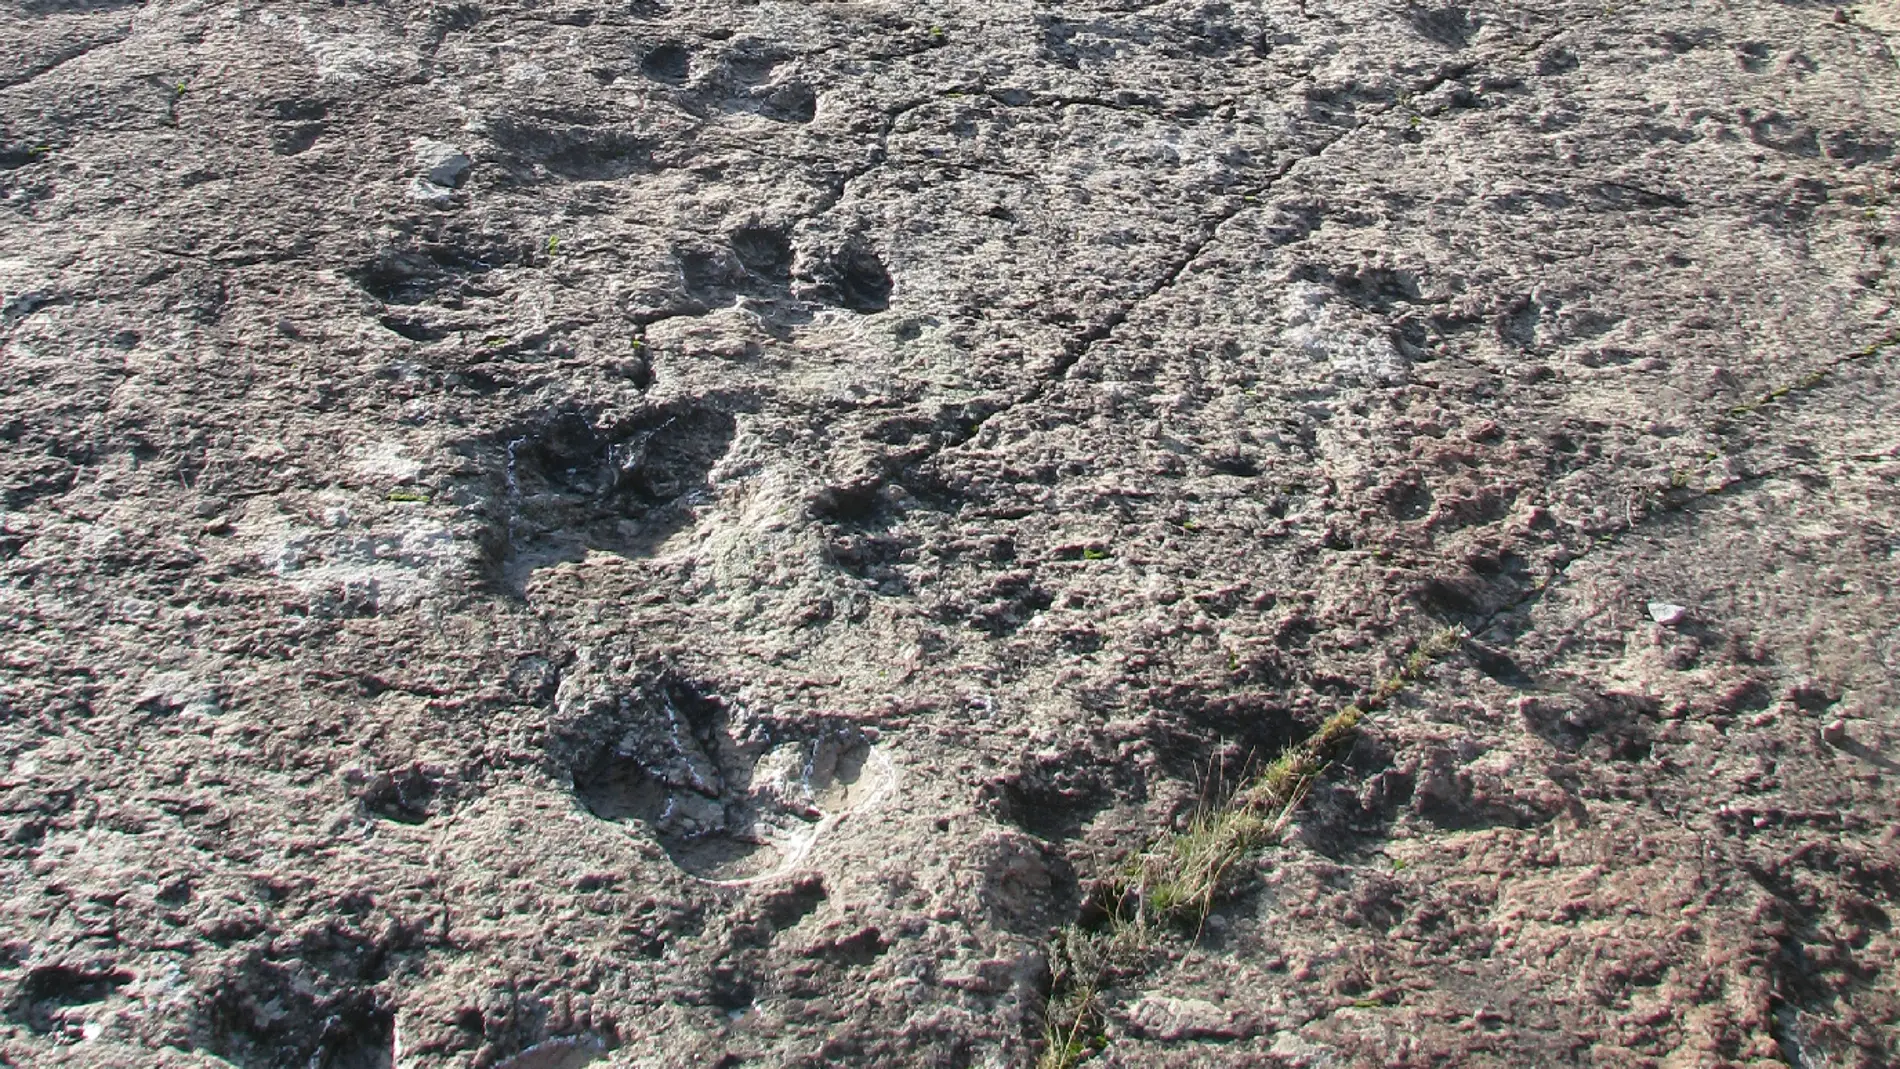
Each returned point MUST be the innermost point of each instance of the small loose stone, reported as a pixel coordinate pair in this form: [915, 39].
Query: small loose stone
[1666, 613]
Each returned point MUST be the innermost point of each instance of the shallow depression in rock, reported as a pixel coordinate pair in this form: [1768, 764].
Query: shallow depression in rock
[725, 806]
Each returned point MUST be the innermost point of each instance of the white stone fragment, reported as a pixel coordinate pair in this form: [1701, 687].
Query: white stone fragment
[1666, 613]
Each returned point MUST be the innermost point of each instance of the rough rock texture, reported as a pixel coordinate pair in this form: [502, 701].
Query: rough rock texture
[682, 532]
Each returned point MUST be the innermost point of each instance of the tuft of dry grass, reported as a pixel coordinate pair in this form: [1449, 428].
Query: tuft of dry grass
[1083, 963]
[1175, 882]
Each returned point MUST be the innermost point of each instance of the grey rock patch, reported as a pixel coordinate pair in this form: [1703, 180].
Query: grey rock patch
[441, 163]
[1173, 1019]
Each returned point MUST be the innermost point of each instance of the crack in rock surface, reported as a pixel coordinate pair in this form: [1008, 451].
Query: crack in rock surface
[689, 533]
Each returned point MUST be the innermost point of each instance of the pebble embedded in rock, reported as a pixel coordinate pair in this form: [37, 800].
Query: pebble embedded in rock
[1667, 613]
[426, 192]
[1835, 733]
[1175, 1019]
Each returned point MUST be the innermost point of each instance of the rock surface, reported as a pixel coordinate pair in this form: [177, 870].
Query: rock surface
[709, 579]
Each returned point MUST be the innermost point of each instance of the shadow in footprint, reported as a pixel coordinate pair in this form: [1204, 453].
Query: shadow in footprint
[578, 147]
[670, 64]
[267, 1016]
[50, 989]
[725, 807]
[853, 278]
[574, 481]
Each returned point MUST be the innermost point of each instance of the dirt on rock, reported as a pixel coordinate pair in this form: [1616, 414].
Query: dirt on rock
[541, 533]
